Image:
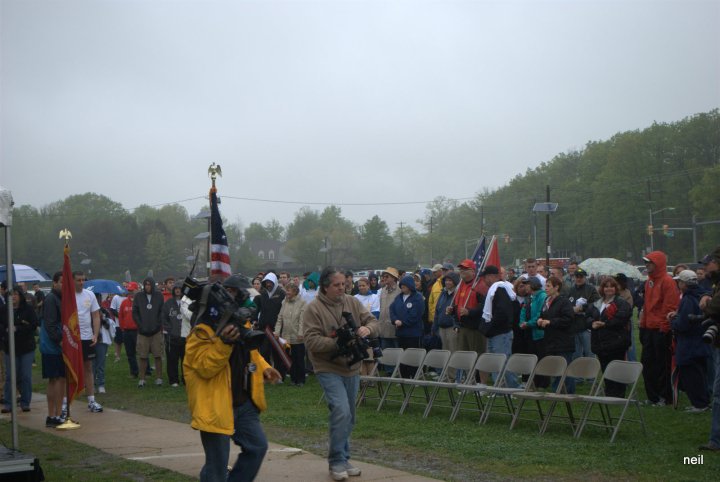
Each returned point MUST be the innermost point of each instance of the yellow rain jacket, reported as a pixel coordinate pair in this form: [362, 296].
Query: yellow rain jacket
[207, 379]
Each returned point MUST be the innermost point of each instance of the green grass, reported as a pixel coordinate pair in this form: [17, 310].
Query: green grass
[461, 451]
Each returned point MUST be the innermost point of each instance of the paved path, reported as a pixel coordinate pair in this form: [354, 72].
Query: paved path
[177, 447]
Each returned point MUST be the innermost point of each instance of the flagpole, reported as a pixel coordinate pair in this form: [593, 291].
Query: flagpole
[213, 171]
[482, 266]
[477, 272]
[9, 272]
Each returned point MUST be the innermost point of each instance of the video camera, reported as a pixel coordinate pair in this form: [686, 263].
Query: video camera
[214, 306]
[353, 346]
[712, 328]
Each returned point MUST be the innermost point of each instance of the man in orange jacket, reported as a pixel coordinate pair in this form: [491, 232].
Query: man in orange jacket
[661, 297]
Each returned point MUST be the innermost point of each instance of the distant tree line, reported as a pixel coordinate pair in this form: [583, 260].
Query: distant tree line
[605, 191]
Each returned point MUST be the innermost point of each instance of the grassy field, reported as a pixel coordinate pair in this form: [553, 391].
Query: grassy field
[460, 451]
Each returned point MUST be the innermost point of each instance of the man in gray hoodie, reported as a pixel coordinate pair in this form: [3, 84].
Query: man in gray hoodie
[147, 307]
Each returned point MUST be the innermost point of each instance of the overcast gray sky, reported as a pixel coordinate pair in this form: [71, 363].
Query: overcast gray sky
[331, 100]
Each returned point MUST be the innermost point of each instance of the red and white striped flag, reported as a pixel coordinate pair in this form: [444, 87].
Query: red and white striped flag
[219, 252]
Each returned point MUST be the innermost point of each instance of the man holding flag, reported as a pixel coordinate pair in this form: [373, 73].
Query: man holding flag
[468, 309]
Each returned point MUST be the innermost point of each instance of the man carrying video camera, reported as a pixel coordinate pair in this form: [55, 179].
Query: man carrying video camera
[711, 309]
[224, 376]
[335, 325]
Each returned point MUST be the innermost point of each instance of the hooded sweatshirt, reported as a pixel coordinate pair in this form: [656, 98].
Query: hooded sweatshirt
[409, 310]
[146, 309]
[661, 295]
[269, 303]
[308, 292]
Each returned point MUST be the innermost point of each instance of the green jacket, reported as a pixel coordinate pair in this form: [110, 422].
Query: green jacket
[536, 305]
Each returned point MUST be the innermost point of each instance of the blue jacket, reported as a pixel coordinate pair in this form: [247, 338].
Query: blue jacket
[688, 334]
[409, 311]
[442, 320]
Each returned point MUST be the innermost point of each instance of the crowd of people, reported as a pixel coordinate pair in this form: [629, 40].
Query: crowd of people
[540, 310]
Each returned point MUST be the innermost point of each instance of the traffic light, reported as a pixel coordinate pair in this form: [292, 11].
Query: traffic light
[650, 229]
[665, 229]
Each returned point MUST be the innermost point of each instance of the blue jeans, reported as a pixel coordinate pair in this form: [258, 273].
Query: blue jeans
[23, 370]
[340, 393]
[582, 345]
[98, 363]
[503, 344]
[715, 426]
[217, 453]
[250, 437]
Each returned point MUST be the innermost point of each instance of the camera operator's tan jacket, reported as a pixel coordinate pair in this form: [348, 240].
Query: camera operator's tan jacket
[320, 320]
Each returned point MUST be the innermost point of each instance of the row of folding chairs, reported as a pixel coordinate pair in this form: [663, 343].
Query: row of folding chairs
[438, 371]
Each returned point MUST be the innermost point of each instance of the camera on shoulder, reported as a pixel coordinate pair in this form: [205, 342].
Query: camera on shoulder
[353, 346]
[213, 305]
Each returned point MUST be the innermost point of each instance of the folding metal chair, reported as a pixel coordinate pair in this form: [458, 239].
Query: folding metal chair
[488, 363]
[459, 360]
[435, 360]
[390, 357]
[549, 366]
[619, 371]
[412, 357]
[583, 367]
[518, 363]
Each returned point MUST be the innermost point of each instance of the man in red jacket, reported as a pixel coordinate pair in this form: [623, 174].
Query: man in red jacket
[661, 297]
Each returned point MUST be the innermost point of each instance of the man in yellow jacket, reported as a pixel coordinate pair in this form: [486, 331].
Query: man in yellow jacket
[224, 383]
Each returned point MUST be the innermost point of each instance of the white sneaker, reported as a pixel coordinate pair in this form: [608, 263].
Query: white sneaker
[696, 409]
[352, 470]
[174, 385]
[158, 381]
[95, 407]
[338, 473]
[141, 383]
[101, 389]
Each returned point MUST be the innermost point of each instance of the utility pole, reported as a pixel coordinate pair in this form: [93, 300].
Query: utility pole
[482, 219]
[431, 241]
[547, 228]
[402, 244]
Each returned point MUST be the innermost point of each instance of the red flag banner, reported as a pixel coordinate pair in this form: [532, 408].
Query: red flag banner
[492, 258]
[71, 345]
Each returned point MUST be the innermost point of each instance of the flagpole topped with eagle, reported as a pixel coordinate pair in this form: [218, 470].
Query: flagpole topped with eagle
[219, 252]
[71, 345]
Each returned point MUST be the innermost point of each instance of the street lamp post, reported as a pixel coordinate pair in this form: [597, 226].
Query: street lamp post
[547, 208]
[650, 226]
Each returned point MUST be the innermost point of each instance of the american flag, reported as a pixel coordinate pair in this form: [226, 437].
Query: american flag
[479, 254]
[219, 253]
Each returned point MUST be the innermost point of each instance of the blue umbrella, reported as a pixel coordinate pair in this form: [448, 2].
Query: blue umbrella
[104, 286]
[22, 272]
